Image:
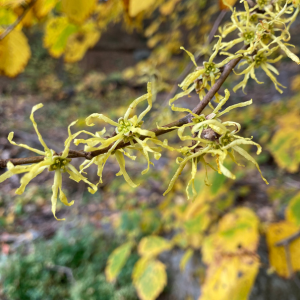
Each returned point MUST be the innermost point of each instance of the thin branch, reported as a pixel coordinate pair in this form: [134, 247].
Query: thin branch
[288, 240]
[190, 65]
[185, 120]
[17, 22]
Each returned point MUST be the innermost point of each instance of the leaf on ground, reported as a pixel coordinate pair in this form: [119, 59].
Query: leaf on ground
[149, 278]
[14, 53]
[230, 278]
[78, 10]
[153, 245]
[137, 6]
[57, 32]
[237, 233]
[117, 260]
[277, 256]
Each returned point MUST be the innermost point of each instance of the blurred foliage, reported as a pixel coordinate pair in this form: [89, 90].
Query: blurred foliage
[70, 266]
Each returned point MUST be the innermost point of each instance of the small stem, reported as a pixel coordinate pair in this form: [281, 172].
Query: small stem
[20, 18]
[185, 120]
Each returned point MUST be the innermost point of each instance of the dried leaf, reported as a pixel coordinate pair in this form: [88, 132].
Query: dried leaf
[224, 4]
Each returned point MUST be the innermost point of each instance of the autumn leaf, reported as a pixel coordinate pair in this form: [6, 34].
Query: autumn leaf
[237, 233]
[78, 43]
[285, 144]
[153, 245]
[7, 16]
[78, 10]
[292, 212]
[117, 260]
[43, 7]
[14, 53]
[224, 4]
[137, 6]
[230, 278]
[149, 278]
[275, 233]
[11, 3]
[57, 32]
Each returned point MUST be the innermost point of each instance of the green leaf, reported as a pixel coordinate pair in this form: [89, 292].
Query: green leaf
[292, 212]
[117, 260]
[149, 278]
[153, 245]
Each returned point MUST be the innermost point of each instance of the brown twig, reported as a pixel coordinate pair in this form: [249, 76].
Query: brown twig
[17, 22]
[288, 240]
[185, 120]
[190, 65]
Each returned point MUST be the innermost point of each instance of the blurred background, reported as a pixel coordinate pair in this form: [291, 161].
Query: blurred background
[41, 258]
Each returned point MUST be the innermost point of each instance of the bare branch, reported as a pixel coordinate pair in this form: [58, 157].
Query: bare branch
[20, 18]
[187, 119]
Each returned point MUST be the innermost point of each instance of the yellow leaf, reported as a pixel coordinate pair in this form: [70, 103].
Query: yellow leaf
[277, 257]
[78, 10]
[12, 3]
[78, 43]
[168, 7]
[185, 259]
[137, 6]
[43, 7]
[57, 32]
[292, 212]
[230, 278]
[224, 4]
[153, 245]
[14, 53]
[117, 260]
[237, 233]
[285, 144]
[149, 278]
[7, 16]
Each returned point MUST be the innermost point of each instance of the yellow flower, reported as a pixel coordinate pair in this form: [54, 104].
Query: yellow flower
[126, 130]
[52, 162]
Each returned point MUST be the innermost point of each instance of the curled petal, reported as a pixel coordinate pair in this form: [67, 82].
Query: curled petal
[35, 108]
[12, 170]
[121, 162]
[100, 117]
[190, 55]
[10, 137]
[35, 170]
[250, 158]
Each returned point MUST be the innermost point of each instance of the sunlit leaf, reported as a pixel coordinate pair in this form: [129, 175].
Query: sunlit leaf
[285, 144]
[137, 6]
[149, 278]
[237, 232]
[57, 32]
[78, 10]
[43, 7]
[277, 256]
[117, 260]
[78, 43]
[293, 210]
[230, 278]
[153, 245]
[14, 53]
